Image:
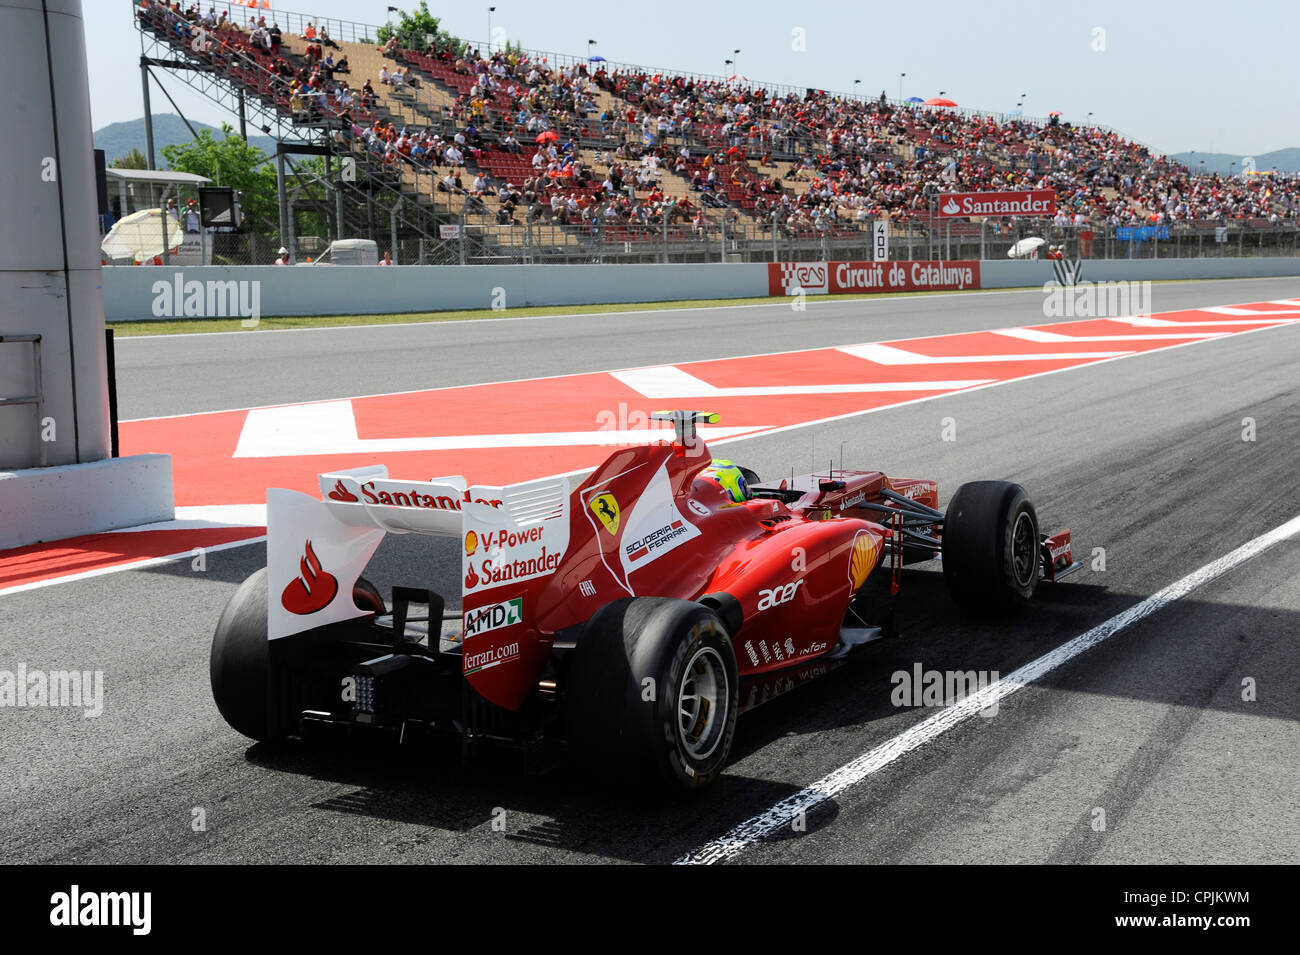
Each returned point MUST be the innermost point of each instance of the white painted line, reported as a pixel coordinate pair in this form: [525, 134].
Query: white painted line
[515, 381]
[330, 427]
[1237, 310]
[1037, 335]
[666, 382]
[779, 816]
[1146, 321]
[889, 355]
[117, 568]
[209, 517]
[1259, 327]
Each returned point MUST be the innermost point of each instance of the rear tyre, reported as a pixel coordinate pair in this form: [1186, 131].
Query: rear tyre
[240, 663]
[651, 694]
[990, 547]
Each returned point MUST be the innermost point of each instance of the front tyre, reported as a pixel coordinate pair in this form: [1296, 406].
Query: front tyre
[652, 692]
[991, 547]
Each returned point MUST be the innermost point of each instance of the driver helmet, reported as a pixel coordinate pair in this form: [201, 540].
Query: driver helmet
[728, 476]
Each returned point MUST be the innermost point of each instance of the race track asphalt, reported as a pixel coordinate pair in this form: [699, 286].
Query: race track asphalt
[1141, 457]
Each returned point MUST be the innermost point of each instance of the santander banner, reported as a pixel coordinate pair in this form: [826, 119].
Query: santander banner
[843, 278]
[1031, 202]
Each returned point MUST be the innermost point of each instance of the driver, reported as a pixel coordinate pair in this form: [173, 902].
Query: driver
[728, 476]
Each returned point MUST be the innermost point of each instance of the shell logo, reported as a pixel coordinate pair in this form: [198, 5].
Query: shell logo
[471, 543]
[862, 559]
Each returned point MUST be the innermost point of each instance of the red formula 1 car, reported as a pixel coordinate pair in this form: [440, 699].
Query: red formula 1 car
[627, 622]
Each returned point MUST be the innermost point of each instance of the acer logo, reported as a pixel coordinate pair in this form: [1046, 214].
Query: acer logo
[313, 590]
[767, 599]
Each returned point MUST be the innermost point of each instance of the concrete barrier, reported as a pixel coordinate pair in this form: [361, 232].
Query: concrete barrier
[136, 293]
[46, 504]
[1014, 274]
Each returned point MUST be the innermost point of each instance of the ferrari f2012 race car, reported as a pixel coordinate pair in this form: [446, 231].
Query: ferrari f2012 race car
[624, 624]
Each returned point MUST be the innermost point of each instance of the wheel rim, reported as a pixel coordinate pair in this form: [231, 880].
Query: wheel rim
[702, 702]
[1023, 549]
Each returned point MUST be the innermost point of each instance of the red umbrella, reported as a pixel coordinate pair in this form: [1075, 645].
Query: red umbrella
[547, 136]
[939, 101]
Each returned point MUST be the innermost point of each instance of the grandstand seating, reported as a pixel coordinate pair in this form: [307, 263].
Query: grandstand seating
[818, 164]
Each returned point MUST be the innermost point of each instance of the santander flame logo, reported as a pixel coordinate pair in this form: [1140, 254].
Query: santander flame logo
[340, 493]
[471, 578]
[313, 590]
[951, 208]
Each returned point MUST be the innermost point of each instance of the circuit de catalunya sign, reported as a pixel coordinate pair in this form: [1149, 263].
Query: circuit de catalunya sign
[845, 278]
[1028, 202]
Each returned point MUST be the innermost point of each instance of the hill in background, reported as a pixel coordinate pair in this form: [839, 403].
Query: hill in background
[118, 139]
[1283, 160]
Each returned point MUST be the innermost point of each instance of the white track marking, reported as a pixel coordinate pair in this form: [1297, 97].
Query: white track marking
[330, 427]
[828, 787]
[1238, 310]
[118, 568]
[1146, 321]
[1037, 335]
[205, 518]
[228, 515]
[890, 355]
[666, 382]
[1259, 325]
[516, 381]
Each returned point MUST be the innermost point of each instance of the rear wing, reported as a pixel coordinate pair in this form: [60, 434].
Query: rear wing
[317, 549]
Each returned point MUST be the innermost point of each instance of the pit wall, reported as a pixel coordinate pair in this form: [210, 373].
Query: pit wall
[136, 293]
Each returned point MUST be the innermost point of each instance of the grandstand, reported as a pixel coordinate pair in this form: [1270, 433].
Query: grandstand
[539, 157]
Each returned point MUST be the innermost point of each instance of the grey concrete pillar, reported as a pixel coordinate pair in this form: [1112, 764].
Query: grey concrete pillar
[49, 259]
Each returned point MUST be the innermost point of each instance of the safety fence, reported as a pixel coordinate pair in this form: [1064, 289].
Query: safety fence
[483, 239]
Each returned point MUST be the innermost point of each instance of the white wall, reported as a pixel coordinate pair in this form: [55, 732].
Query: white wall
[1012, 274]
[356, 290]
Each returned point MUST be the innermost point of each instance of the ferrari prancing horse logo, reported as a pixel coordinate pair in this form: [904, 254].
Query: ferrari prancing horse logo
[605, 507]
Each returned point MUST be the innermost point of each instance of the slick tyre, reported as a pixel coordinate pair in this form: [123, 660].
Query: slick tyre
[240, 662]
[651, 694]
[990, 547]
[240, 665]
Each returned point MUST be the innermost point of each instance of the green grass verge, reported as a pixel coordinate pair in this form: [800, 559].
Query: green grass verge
[182, 327]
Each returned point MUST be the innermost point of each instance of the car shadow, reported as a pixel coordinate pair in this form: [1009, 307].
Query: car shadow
[566, 810]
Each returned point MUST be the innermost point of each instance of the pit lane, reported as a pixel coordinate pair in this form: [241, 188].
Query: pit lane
[1143, 457]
